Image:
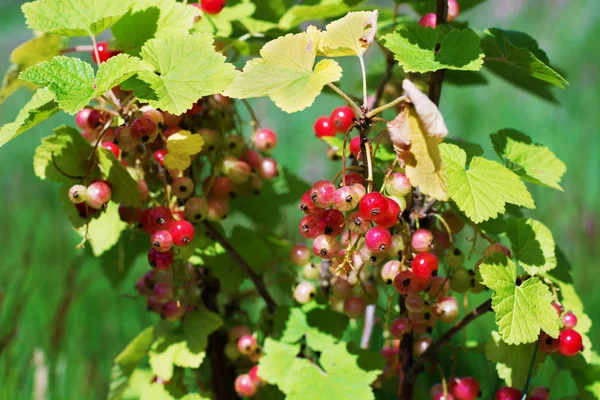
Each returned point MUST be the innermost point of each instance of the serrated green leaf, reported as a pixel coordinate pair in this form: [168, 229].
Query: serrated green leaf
[534, 162]
[70, 152]
[532, 244]
[74, 17]
[127, 361]
[183, 349]
[349, 36]
[512, 362]
[72, 80]
[585, 374]
[103, 232]
[414, 47]
[220, 24]
[523, 310]
[285, 72]
[149, 19]
[120, 259]
[278, 358]
[35, 50]
[124, 187]
[518, 53]
[299, 13]
[41, 107]
[187, 68]
[321, 326]
[482, 191]
[471, 149]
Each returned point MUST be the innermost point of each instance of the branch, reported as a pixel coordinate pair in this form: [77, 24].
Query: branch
[350, 102]
[437, 77]
[257, 280]
[407, 379]
[435, 347]
[386, 77]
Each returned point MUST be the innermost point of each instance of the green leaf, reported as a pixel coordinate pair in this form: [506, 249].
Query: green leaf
[74, 18]
[103, 233]
[127, 362]
[321, 327]
[149, 19]
[534, 162]
[472, 149]
[521, 310]
[414, 47]
[279, 357]
[184, 349]
[70, 151]
[120, 259]
[188, 68]
[297, 14]
[512, 362]
[33, 51]
[584, 373]
[285, 72]
[41, 107]
[124, 187]
[482, 191]
[72, 80]
[532, 245]
[220, 24]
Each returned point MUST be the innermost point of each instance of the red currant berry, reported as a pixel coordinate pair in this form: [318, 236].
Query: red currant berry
[392, 216]
[331, 222]
[425, 265]
[183, 232]
[428, 20]
[399, 327]
[389, 271]
[466, 388]
[422, 241]
[355, 307]
[144, 129]
[212, 6]
[342, 118]
[344, 199]
[508, 393]
[378, 239]
[403, 281]
[113, 148]
[77, 194]
[269, 169]
[373, 205]
[322, 194]
[103, 53]
[162, 241]
[569, 342]
[253, 374]
[307, 206]
[158, 260]
[247, 344]
[308, 226]
[326, 246]
[98, 195]
[354, 177]
[265, 139]
[569, 320]
[162, 291]
[300, 254]
[539, 393]
[195, 209]
[89, 119]
[172, 310]
[548, 344]
[414, 303]
[323, 127]
[305, 292]
[159, 218]
[355, 146]
[357, 224]
[453, 9]
[159, 156]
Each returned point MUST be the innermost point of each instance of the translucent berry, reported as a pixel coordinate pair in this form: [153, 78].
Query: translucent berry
[300, 254]
[354, 307]
[355, 146]
[414, 303]
[305, 292]
[162, 241]
[402, 282]
[308, 226]
[398, 184]
[569, 320]
[354, 177]
[154, 115]
[454, 258]
[310, 271]
[438, 287]
[196, 208]
[357, 224]
[322, 194]
[265, 139]
[160, 218]
[460, 281]
[236, 170]
[247, 344]
[422, 241]
[98, 195]
[373, 205]
[218, 209]
[421, 345]
[399, 327]
[331, 222]
[253, 374]
[172, 310]
[428, 20]
[144, 129]
[323, 127]
[326, 246]
[344, 199]
[378, 239]
[162, 291]
[453, 9]
[183, 187]
[159, 156]
[569, 342]
[508, 393]
[244, 386]
[371, 257]
[397, 246]
[341, 289]
[466, 388]
[342, 118]
[159, 260]
[77, 194]
[222, 187]
[447, 309]
[269, 169]
[183, 232]
[389, 271]
[425, 265]
[539, 393]
[392, 216]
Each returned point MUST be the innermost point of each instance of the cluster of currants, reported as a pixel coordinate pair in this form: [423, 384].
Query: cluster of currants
[468, 388]
[569, 342]
[338, 122]
[243, 347]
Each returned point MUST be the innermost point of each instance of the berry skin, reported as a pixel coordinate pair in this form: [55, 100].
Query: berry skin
[428, 20]
[218, 209]
[253, 374]
[247, 344]
[460, 281]
[378, 239]
[508, 393]
[322, 194]
[326, 247]
[403, 281]
[414, 303]
[183, 232]
[244, 386]
[357, 224]
[354, 177]
[236, 170]
[569, 342]
[323, 127]
[269, 169]
[548, 344]
[155, 116]
[496, 248]
[103, 53]
[454, 258]
[300, 254]
[422, 241]
[162, 291]
[82, 118]
[466, 388]
[341, 289]
[355, 146]
[172, 310]
[265, 139]
[305, 292]
[196, 208]
[222, 187]
[77, 194]
[342, 118]
[212, 6]
[439, 287]
[397, 246]
[373, 205]
[144, 129]
[425, 265]
[159, 156]
[160, 261]
[539, 393]
[345, 199]
[310, 271]
[398, 185]
[421, 345]
[183, 187]
[453, 9]
[253, 158]
[569, 320]
[389, 271]
[162, 241]
[399, 327]
[98, 195]
[392, 216]
[308, 226]
[331, 222]
[159, 218]
[355, 306]
[307, 206]
[447, 309]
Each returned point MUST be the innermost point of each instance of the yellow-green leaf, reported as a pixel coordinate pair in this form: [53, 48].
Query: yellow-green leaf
[349, 36]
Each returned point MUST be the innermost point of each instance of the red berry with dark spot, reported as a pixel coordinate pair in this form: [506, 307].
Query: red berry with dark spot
[331, 222]
[466, 388]
[373, 205]
[342, 118]
[172, 310]
[378, 239]
[162, 241]
[159, 218]
[425, 265]
[428, 20]
[98, 195]
[323, 127]
[183, 232]
[265, 139]
[158, 260]
[508, 393]
[113, 148]
[392, 216]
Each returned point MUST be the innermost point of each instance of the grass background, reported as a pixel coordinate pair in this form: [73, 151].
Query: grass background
[60, 313]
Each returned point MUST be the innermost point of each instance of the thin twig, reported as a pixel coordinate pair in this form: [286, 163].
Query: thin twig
[364, 82]
[384, 107]
[256, 279]
[350, 102]
[369, 170]
[255, 122]
[530, 372]
[368, 326]
[76, 177]
[344, 152]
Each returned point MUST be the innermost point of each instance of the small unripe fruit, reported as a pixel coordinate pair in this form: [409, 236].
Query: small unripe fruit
[196, 208]
[496, 248]
[422, 241]
[454, 258]
[182, 187]
[414, 303]
[322, 194]
[77, 194]
[326, 246]
[398, 185]
[428, 20]
[98, 195]
[355, 306]
[453, 9]
[357, 224]
[238, 331]
[172, 310]
[341, 289]
[265, 139]
[300, 254]
[539, 393]
[246, 344]
[399, 327]
[389, 271]
[447, 309]
[310, 271]
[305, 292]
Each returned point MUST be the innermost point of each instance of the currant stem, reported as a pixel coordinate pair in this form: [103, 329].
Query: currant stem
[350, 102]
[255, 122]
[384, 107]
[344, 152]
[258, 281]
[443, 221]
[95, 48]
[530, 372]
[76, 177]
[364, 81]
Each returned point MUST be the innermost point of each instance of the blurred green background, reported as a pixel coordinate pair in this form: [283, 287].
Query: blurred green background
[60, 318]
